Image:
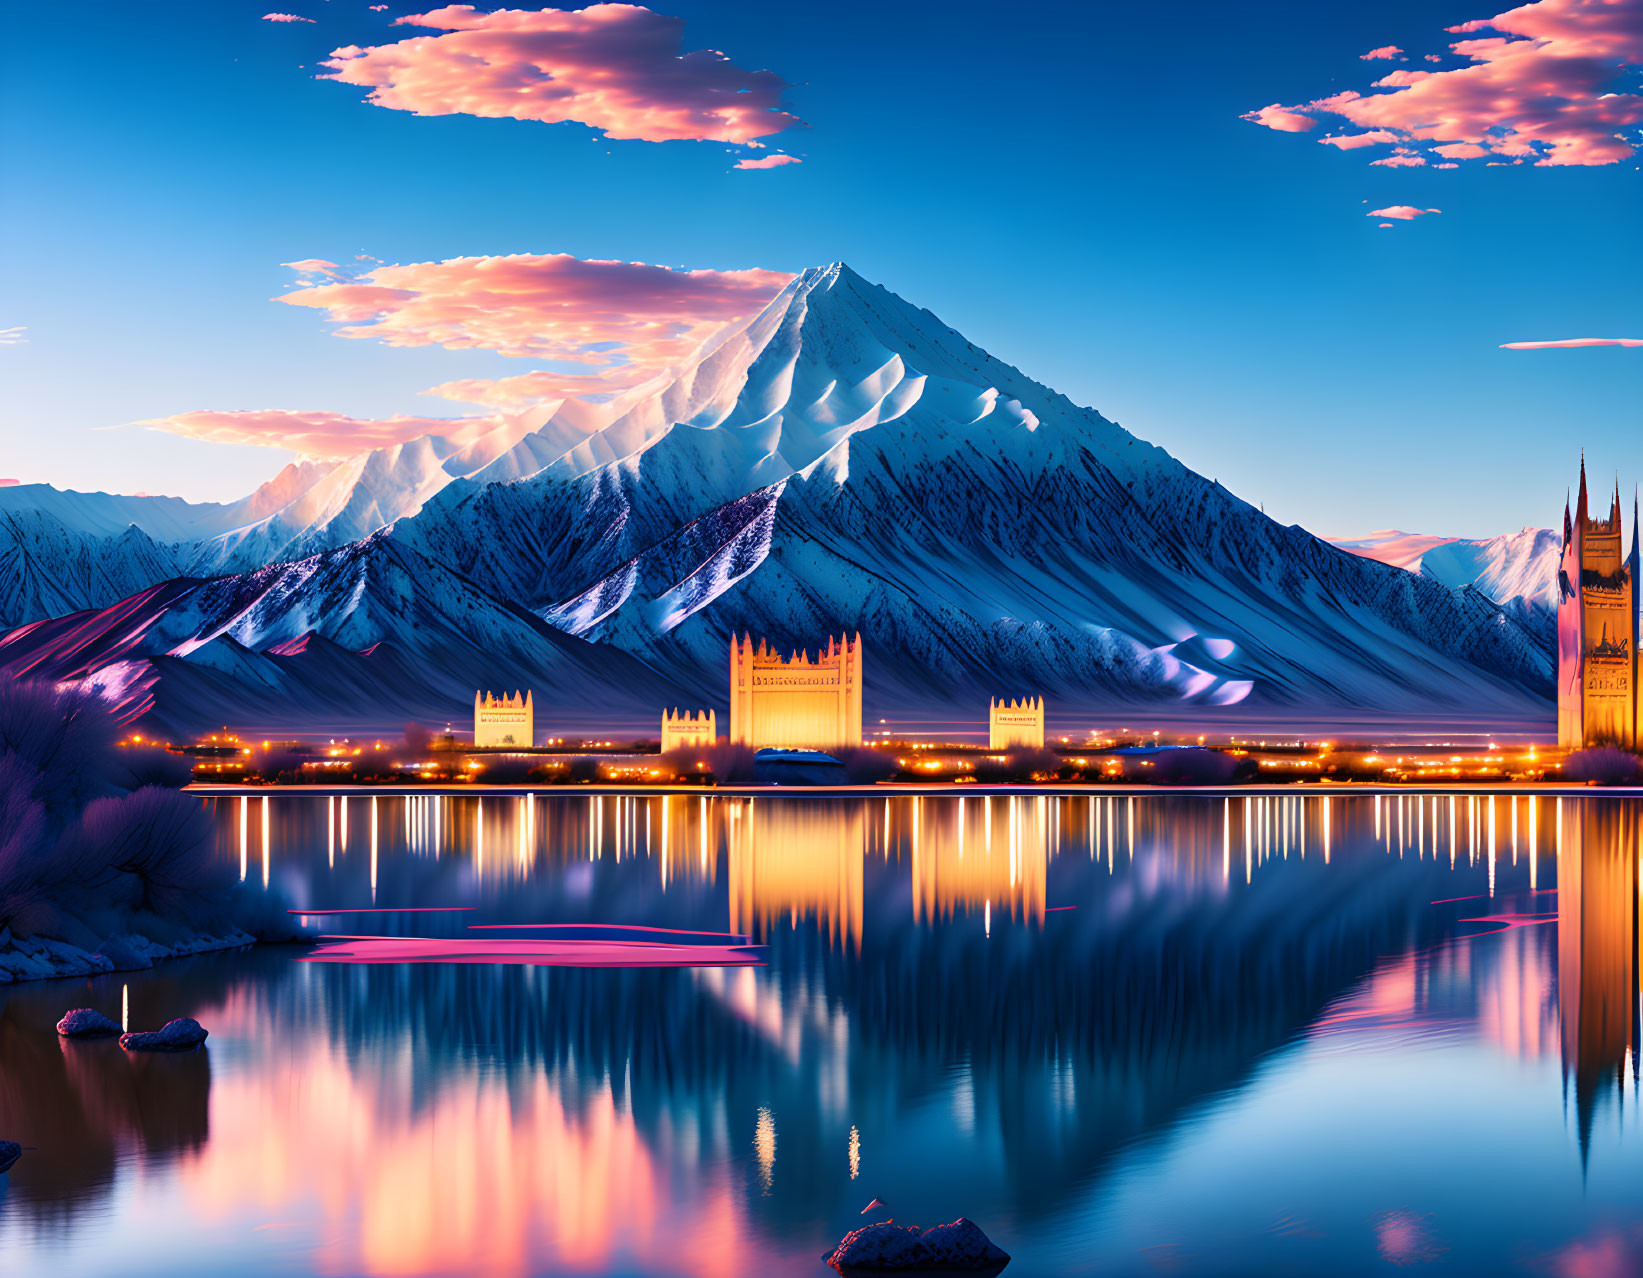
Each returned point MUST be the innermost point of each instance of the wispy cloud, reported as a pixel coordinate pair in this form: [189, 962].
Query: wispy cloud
[619, 68]
[13, 336]
[549, 306]
[10, 483]
[320, 435]
[1352, 141]
[1550, 85]
[1284, 119]
[768, 161]
[1567, 342]
[284, 17]
[1385, 51]
[315, 266]
[624, 323]
[1403, 212]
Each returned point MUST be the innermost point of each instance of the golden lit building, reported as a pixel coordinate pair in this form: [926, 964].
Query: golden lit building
[1597, 972]
[979, 854]
[684, 729]
[1597, 701]
[1014, 725]
[797, 860]
[795, 703]
[504, 721]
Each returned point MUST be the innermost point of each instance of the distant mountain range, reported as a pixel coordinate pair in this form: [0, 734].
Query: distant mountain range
[843, 461]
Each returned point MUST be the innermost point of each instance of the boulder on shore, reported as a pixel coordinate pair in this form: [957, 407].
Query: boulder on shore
[85, 1022]
[126, 953]
[10, 1152]
[181, 1035]
[887, 1247]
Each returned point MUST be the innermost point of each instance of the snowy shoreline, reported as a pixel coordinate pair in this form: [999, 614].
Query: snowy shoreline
[42, 958]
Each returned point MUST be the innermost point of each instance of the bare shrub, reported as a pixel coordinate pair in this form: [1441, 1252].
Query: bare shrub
[133, 767]
[1605, 765]
[25, 842]
[149, 850]
[66, 735]
[727, 762]
[865, 766]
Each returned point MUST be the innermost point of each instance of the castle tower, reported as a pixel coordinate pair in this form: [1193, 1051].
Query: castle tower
[796, 703]
[1014, 725]
[684, 729]
[1597, 700]
[504, 721]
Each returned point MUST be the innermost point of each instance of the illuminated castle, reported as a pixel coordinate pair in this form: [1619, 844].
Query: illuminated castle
[1597, 701]
[796, 702]
[504, 721]
[682, 730]
[1011, 724]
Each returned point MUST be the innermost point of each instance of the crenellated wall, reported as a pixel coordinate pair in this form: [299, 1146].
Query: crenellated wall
[1013, 725]
[504, 721]
[796, 702]
[682, 729]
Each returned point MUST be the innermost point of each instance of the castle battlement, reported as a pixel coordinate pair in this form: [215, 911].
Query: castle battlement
[1015, 724]
[796, 701]
[504, 721]
[684, 729]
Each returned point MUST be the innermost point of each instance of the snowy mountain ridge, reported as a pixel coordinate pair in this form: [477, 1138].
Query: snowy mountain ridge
[843, 460]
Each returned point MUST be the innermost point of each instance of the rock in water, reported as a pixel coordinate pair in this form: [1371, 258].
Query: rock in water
[180, 1035]
[10, 1152]
[960, 1245]
[84, 1022]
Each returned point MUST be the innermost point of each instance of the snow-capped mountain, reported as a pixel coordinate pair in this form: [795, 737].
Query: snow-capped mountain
[843, 461]
[367, 633]
[1514, 566]
[848, 461]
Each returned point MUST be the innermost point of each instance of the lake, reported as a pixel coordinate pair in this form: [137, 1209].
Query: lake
[1166, 1034]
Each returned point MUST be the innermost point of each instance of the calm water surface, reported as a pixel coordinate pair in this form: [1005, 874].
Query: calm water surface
[1163, 1035]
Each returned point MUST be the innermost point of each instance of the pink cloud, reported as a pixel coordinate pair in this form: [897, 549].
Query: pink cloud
[1448, 165]
[614, 67]
[1284, 119]
[321, 435]
[1403, 212]
[284, 17]
[1400, 161]
[1385, 51]
[1386, 226]
[315, 266]
[1402, 78]
[543, 306]
[1434, 57]
[1352, 141]
[768, 162]
[9, 483]
[1461, 151]
[1568, 342]
[378, 8]
[1548, 84]
[525, 389]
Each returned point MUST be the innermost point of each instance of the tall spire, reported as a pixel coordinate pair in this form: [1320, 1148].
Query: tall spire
[1580, 505]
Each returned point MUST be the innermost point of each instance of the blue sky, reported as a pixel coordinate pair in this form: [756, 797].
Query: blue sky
[1070, 185]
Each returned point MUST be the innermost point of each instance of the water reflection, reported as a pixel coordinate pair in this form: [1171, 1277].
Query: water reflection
[1023, 1008]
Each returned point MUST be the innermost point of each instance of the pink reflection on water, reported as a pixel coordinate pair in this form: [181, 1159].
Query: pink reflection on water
[549, 953]
[1404, 1237]
[484, 1177]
